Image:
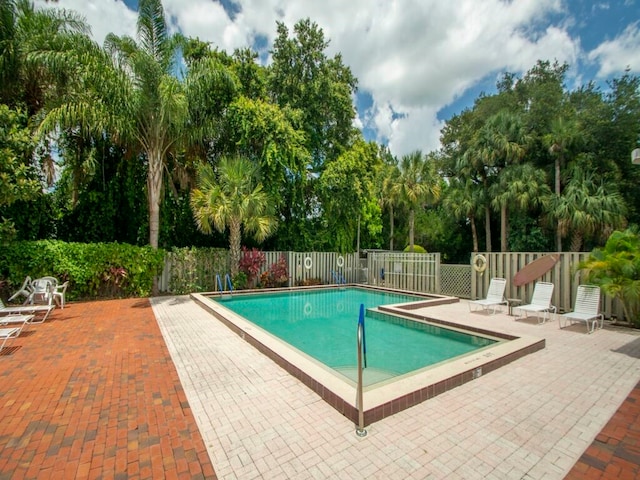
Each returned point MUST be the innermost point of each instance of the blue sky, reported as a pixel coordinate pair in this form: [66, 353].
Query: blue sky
[417, 61]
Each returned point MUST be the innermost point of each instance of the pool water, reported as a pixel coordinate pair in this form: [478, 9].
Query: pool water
[323, 324]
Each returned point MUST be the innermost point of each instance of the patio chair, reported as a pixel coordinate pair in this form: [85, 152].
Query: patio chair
[41, 291]
[586, 309]
[12, 332]
[25, 290]
[495, 296]
[540, 302]
[58, 293]
[26, 310]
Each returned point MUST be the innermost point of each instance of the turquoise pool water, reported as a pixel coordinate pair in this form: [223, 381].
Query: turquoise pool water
[323, 324]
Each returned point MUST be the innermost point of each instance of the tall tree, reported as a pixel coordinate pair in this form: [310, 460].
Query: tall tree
[462, 201]
[232, 197]
[564, 134]
[418, 184]
[131, 90]
[588, 209]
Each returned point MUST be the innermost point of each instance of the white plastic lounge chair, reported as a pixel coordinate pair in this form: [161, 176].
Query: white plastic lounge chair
[540, 302]
[12, 332]
[586, 309]
[25, 290]
[26, 310]
[495, 296]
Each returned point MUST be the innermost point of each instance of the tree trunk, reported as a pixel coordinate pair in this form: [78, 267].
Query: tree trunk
[474, 234]
[411, 225]
[234, 246]
[576, 242]
[391, 227]
[154, 188]
[503, 229]
[557, 188]
[487, 227]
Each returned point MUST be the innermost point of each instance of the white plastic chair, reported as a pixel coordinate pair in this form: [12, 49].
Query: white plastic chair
[586, 309]
[41, 291]
[495, 296]
[58, 293]
[26, 310]
[540, 302]
[25, 290]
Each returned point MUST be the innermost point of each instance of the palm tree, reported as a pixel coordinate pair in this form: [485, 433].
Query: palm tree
[616, 269]
[23, 31]
[388, 198]
[231, 197]
[505, 145]
[463, 202]
[565, 134]
[521, 187]
[130, 90]
[417, 184]
[588, 208]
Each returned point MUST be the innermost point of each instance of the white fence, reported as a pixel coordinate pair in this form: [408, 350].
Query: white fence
[418, 272]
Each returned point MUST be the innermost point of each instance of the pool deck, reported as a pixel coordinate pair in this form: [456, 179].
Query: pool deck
[105, 390]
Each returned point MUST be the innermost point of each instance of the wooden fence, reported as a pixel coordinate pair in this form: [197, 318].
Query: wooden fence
[406, 271]
[564, 275]
[191, 273]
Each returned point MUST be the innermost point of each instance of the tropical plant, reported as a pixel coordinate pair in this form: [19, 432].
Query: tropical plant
[588, 208]
[130, 89]
[616, 269]
[251, 263]
[417, 185]
[232, 197]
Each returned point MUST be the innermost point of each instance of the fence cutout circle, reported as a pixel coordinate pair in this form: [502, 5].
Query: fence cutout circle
[479, 263]
[308, 263]
[340, 261]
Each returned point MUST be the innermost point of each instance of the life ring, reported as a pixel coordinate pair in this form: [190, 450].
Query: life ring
[308, 263]
[479, 263]
[340, 261]
[308, 309]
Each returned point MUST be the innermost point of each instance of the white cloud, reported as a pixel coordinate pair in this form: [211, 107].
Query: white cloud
[614, 56]
[413, 57]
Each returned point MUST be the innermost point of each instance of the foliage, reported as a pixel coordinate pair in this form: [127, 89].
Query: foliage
[195, 269]
[416, 249]
[18, 178]
[232, 198]
[616, 269]
[277, 275]
[93, 270]
[251, 263]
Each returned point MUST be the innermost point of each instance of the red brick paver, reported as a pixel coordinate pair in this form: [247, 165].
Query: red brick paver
[615, 452]
[92, 393]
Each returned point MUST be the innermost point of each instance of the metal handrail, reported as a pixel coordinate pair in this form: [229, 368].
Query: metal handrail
[360, 430]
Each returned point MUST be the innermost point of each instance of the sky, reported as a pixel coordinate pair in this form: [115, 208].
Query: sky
[418, 62]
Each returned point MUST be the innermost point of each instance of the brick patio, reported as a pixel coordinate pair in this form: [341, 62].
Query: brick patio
[93, 393]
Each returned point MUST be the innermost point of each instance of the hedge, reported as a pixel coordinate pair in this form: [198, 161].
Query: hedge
[94, 270]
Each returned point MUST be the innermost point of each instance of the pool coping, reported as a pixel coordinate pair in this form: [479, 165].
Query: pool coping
[388, 398]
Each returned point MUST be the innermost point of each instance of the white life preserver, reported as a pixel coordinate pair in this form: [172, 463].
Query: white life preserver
[308, 263]
[308, 309]
[340, 261]
[479, 263]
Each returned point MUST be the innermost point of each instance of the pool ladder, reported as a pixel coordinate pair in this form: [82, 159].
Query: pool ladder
[360, 430]
[227, 281]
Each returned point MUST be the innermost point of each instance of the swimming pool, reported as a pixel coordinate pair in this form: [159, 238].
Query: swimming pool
[392, 393]
[322, 324]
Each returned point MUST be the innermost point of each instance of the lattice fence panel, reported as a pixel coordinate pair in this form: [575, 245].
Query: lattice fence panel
[455, 280]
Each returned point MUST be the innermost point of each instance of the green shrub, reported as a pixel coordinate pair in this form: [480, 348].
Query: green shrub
[416, 249]
[94, 270]
[195, 269]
